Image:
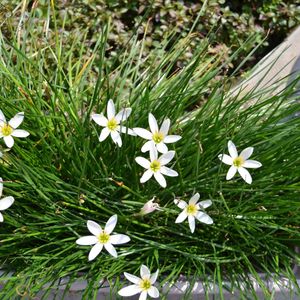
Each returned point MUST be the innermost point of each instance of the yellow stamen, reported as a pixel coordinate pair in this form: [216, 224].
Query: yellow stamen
[238, 162]
[158, 137]
[103, 237]
[191, 209]
[112, 124]
[155, 166]
[6, 130]
[145, 284]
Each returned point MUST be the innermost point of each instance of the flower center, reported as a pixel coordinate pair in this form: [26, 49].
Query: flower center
[103, 237]
[157, 137]
[155, 166]
[6, 130]
[191, 209]
[145, 284]
[112, 124]
[238, 162]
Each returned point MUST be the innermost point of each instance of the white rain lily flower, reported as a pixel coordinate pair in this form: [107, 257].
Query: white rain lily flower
[157, 137]
[193, 211]
[156, 166]
[5, 202]
[8, 130]
[149, 207]
[143, 285]
[239, 162]
[102, 238]
[111, 124]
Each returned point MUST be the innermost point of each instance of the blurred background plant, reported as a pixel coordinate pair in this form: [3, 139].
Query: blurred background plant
[231, 21]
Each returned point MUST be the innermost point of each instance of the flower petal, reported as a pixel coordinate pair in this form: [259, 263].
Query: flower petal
[153, 152]
[153, 277]
[168, 172]
[126, 130]
[16, 120]
[232, 149]
[153, 292]
[192, 223]
[162, 148]
[205, 203]
[104, 134]
[167, 157]
[111, 249]
[100, 119]
[226, 159]
[147, 146]
[152, 123]
[6, 202]
[164, 129]
[20, 133]
[1, 218]
[123, 114]
[2, 117]
[87, 240]
[231, 172]
[172, 138]
[111, 224]
[145, 272]
[115, 135]
[94, 228]
[117, 239]
[246, 153]
[252, 164]
[160, 179]
[129, 290]
[146, 176]
[204, 218]
[110, 109]
[132, 278]
[182, 216]
[143, 133]
[143, 295]
[194, 199]
[9, 141]
[143, 162]
[180, 203]
[96, 249]
[245, 175]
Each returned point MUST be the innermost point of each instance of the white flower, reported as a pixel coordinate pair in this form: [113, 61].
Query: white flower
[143, 285]
[157, 137]
[193, 210]
[9, 130]
[239, 162]
[149, 207]
[111, 124]
[102, 238]
[156, 166]
[5, 202]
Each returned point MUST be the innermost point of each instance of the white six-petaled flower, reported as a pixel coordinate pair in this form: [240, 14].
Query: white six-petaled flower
[239, 162]
[156, 166]
[112, 124]
[8, 130]
[6, 202]
[102, 238]
[143, 285]
[157, 137]
[193, 211]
